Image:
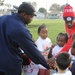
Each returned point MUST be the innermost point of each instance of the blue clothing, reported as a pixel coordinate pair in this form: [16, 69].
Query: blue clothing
[14, 34]
[73, 68]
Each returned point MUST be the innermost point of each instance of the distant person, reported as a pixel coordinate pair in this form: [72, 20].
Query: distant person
[69, 16]
[43, 44]
[14, 35]
[63, 61]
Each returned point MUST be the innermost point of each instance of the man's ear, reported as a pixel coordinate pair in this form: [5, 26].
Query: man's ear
[23, 14]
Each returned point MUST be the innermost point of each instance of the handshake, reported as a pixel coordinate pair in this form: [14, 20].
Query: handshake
[51, 63]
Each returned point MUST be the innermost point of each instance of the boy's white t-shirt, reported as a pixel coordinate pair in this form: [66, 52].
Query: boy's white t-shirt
[66, 73]
[42, 44]
[56, 50]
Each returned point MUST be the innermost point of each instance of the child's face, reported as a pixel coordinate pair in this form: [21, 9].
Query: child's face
[73, 51]
[43, 33]
[61, 41]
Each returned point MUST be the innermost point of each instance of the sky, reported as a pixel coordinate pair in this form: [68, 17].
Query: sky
[42, 3]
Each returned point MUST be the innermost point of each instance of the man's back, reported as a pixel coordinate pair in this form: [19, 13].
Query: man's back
[8, 54]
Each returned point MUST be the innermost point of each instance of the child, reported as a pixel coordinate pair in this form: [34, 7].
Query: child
[43, 43]
[62, 63]
[72, 53]
[62, 39]
[72, 49]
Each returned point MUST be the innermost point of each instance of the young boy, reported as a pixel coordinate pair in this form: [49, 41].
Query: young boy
[63, 61]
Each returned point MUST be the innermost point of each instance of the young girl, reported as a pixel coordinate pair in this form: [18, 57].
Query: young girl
[62, 39]
[43, 44]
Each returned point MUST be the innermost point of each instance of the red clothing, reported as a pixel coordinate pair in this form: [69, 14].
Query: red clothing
[70, 32]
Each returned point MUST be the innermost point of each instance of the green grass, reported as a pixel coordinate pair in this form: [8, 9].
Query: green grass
[55, 26]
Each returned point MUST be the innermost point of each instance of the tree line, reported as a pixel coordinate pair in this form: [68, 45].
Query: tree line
[54, 7]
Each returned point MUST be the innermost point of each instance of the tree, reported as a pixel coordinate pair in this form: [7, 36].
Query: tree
[8, 5]
[55, 7]
[42, 10]
[34, 4]
[62, 7]
[1, 2]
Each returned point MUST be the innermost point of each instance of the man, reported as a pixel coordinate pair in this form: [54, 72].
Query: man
[14, 35]
[69, 16]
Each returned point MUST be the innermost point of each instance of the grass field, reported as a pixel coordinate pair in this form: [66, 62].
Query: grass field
[55, 26]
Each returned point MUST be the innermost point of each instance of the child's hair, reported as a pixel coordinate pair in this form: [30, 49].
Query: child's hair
[41, 27]
[63, 34]
[63, 60]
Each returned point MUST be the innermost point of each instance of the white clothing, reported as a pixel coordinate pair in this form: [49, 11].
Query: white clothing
[67, 73]
[31, 69]
[56, 50]
[43, 45]
[35, 72]
[72, 57]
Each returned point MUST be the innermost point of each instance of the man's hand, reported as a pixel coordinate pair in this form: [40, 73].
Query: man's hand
[51, 63]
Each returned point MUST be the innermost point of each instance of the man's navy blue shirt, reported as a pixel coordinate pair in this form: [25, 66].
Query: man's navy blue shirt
[15, 34]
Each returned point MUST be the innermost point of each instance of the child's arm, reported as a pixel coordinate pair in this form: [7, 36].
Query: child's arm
[50, 52]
